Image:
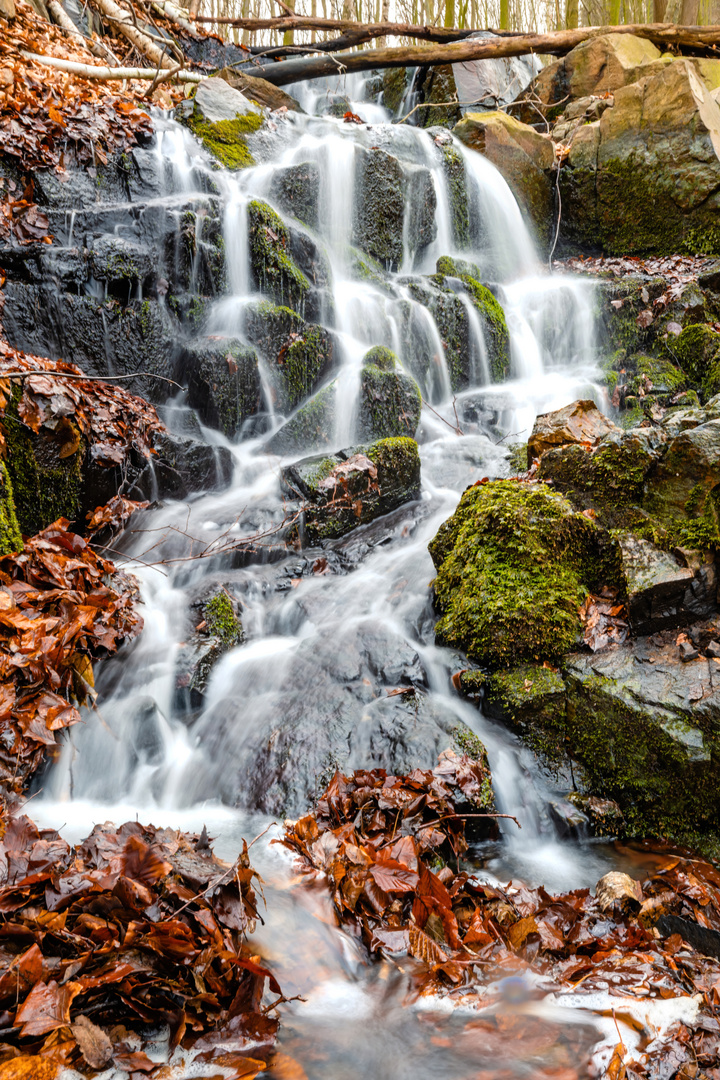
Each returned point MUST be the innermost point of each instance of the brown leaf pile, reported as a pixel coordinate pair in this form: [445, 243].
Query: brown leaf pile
[391, 882]
[49, 118]
[21, 220]
[111, 419]
[135, 929]
[61, 608]
[604, 620]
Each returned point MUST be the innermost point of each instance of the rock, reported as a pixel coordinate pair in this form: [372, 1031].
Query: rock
[569, 821]
[524, 158]
[697, 350]
[224, 119]
[274, 271]
[687, 652]
[300, 356]
[605, 816]
[390, 400]
[311, 427]
[464, 231]
[350, 488]
[661, 592]
[7, 9]
[618, 888]
[525, 697]
[216, 100]
[379, 206]
[296, 190]
[223, 382]
[643, 178]
[259, 91]
[491, 84]
[115, 260]
[394, 88]
[596, 66]
[713, 650]
[180, 467]
[680, 485]
[448, 295]
[514, 563]
[436, 87]
[582, 423]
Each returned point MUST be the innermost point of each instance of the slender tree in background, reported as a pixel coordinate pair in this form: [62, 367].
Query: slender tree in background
[571, 14]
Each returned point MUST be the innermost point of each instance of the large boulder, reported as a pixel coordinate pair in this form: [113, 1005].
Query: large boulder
[384, 191]
[341, 491]
[514, 563]
[581, 422]
[274, 271]
[300, 356]
[644, 177]
[523, 156]
[223, 382]
[596, 66]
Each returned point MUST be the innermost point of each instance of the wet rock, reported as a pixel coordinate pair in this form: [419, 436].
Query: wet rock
[464, 231]
[180, 467]
[390, 400]
[311, 426]
[569, 821]
[259, 91]
[661, 591]
[296, 190]
[524, 158]
[604, 815]
[379, 206]
[514, 563]
[217, 628]
[436, 88]
[273, 746]
[301, 356]
[394, 87]
[643, 177]
[353, 487]
[223, 382]
[274, 271]
[522, 697]
[215, 101]
[687, 652]
[115, 260]
[618, 888]
[581, 422]
[455, 300]
[102, 338]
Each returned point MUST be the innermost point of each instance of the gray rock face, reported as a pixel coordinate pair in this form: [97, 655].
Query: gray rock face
[489, 84]
[327, 708]
[296, 191]
[114, 258]
[216, 100]
[379, 206]
[661, 592]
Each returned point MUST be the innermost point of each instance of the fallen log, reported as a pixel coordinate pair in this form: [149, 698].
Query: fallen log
[697, 38]
[105, 74]
[144, 44]
[170, 11]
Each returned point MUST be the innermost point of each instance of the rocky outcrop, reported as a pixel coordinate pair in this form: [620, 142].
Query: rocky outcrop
[223, 119]
[380, 204]
[524, 157]
[340, 491]
[581, 422]
[223, 382]
[644, 177]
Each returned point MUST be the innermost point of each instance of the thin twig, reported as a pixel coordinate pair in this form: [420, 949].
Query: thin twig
[91, 378]
[450, 817]
[458, 430]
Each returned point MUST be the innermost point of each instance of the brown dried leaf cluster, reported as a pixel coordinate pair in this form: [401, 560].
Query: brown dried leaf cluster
[401, 887]
[61, 608]
[135, 929]
[112, 420]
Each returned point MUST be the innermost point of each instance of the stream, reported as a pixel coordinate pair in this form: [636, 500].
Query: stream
[325, 645]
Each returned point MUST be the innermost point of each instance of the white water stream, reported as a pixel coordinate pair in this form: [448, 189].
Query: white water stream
[150, 758]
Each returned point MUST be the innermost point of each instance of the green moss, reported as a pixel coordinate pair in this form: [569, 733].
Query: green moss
[514, 563]
[697, 350]
[226, 140]
[390, 400]
[518, 457]
[222, 622]
[497, 337]
[665, 377]
[454, 166]
[380, 357]
[45, 486]
[398, 462]
[274, 271]
[468, 743]
[609, 479]
[10, 536]
[306, 360]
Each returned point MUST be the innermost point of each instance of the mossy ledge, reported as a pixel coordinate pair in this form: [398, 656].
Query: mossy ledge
[226, 140]
[274, 271]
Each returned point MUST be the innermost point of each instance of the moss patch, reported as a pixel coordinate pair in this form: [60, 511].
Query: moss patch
[390, 400]
[222, 621]
[514, 563]
[10, 537]
[274, 271]
[226, 140]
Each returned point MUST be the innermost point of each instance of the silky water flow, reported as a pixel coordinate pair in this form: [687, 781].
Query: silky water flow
[319, 647]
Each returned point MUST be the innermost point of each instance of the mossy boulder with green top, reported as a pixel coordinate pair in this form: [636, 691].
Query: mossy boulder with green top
[274, 271]
[352, 487]
[390, 400]
[514, 563]
[223, 119]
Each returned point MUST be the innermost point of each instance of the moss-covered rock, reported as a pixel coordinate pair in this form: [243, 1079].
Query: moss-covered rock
[223, 382]
[379, 206]
[10, 536]
[220, 630]
[390, 400]
[274, 271]
[697, 351]
[530, 699]
[469, 362]
[226, 140]
[300, 355]
[514, 563]
[438, 91]
[43, 473]
[394, 87]
[296, 190]
[454, 168]
[353, 487]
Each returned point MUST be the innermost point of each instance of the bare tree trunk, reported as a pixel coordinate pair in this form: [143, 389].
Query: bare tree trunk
[571, 14]
[689, 12]
[121, 20]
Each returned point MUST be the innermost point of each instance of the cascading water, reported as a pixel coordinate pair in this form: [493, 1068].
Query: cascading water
[322, 649]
